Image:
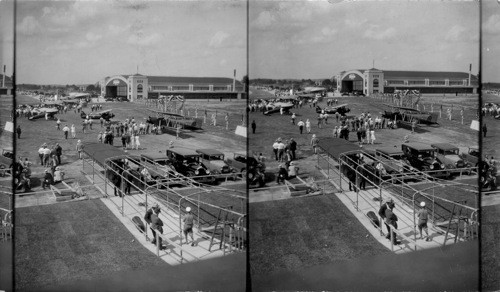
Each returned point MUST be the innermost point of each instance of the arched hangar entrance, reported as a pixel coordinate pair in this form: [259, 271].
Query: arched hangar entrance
[116, 87]
[352, 81]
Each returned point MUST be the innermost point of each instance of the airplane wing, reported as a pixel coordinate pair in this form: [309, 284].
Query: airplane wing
[103, 112]
[166, 113]
[339, 106]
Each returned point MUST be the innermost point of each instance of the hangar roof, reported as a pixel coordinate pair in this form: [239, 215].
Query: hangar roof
[427, 74]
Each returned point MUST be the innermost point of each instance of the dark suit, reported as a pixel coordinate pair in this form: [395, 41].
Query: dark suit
[157, 226]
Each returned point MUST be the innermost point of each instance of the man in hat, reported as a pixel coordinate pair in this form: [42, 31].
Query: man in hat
[156, 226]
[391, 220]
[282, 174]
[293, 148]
[188, 225]
[41, 151]
[65, 131]
[292, 170]
[423, 217]
[48, 179]
[147, 218]
[381, 212]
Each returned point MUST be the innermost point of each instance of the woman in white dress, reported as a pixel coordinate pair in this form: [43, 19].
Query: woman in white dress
[132, 140]
[308, 126]
[137, 143]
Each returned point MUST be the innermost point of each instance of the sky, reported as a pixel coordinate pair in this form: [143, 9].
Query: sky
[491, 41]
[68, 42]
[318, 39]
[7, 36]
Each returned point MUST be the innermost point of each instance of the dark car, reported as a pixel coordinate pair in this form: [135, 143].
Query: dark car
[345, 93]
[158, 165]
[213, 160]
[247, 165]
[187, 162]
[393, 159]
[342, 109]
[358, 93]
[472, 156]
[423, 158]
[449, 155]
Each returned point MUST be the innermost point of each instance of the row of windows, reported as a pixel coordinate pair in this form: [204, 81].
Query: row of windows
[187, 88]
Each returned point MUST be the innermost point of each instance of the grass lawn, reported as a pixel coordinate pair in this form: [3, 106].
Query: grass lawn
[290, 235]
[490, 248]
[73, 241]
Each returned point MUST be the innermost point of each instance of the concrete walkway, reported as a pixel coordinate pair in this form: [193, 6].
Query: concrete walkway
[363, 202]
[175, 253]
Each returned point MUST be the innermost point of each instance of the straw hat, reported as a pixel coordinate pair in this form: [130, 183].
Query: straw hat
[422, 204]
[188, 209]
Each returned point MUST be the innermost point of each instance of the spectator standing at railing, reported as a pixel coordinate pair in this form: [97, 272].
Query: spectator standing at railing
[381, 213]
[423, 217]
[391, 220]
[79, 148]
[147, 218]
[157, 224]
[188, 225]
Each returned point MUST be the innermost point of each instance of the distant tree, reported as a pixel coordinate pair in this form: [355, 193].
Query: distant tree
[91, 87]
[326, 82]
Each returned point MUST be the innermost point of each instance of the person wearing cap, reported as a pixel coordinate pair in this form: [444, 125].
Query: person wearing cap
[293, 148]
[188, 225]
[58, 149]
[275, 149]
[46, 155]
[423, 217]
[65, 131]
[314, 143]
[391, 220]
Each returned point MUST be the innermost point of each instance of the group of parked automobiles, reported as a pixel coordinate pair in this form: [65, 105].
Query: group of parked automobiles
[202, 165]
[412, 160]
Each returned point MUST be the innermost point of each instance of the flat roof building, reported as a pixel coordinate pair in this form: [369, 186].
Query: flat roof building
[373, 80]
[6, 86]
[137, 86]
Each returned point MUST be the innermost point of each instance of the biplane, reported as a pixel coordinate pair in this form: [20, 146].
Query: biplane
[342, 109]
[107, 115]
[173, 120]
[276, 107]
[38, 113]
[408, 114]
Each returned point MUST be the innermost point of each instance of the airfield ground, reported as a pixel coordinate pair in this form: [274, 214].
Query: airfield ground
[277, 227]
[76, 236]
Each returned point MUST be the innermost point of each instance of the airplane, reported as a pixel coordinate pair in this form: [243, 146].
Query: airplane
[107, 115]
[171, 120]
[342, 109]
[408, 114]
[38, 113]
[276, 107]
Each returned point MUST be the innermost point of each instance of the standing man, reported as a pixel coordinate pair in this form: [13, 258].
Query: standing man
[126, 177]
[73, 131]
[40, 153]
[188, 226]
[147, 218]
[254, 126]
[293, 147]
[485, 129]
[423, 217]
[157, 226]
[58, 153]
[65, 131]
[381, 212]
[275, 149]
[18, 131]
[58, 124]
[301, 126]
[391, 219]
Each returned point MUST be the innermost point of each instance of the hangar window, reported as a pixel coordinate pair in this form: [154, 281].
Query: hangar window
[139, 88]
[375, 82]
[416, 82]
[437, 82]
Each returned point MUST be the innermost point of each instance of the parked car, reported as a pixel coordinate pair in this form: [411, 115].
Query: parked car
[472, 156]
[345, 93]
[449, 155]
[423, 158]
[358, 93]
[248, 166]
[213, 160]
[393, 159]
[158, 165]
[187, 162]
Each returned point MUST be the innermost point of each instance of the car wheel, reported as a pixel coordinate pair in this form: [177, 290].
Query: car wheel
[250, 175]
[243, 173]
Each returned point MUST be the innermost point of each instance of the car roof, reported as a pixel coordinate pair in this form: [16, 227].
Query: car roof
[389, 150]
[418, 146]
[183, 151]
[209, 151]
[154, 156]
[444, 146]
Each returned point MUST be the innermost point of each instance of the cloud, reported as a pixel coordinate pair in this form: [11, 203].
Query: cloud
[376, 33]
[133, 5]
[492, 25]
[328, 31]
[92, 37]
[264, 20]
[28, 26]
[218, 39]
[456, 33]
[223, 62]
[354, 23]
[141, 40]
[117, 29]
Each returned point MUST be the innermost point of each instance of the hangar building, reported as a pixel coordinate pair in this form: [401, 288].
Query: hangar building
[137, 86]
[373, 80]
